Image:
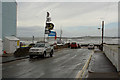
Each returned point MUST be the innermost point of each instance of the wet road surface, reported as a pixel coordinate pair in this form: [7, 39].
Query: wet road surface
[65, 63]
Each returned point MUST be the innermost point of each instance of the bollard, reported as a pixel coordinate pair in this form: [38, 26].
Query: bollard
[4, 52]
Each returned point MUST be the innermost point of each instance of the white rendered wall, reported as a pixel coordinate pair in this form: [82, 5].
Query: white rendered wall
[112, 55]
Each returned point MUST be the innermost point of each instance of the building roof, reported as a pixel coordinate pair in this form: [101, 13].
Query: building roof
[11, 38]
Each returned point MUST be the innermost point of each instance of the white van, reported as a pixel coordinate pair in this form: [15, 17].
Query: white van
[41, 49]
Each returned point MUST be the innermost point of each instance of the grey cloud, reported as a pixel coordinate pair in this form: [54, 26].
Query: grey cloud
[30, 31]
[63, 11]
[65, 14]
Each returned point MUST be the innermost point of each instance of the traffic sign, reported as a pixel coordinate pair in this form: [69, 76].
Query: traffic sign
[49, 26]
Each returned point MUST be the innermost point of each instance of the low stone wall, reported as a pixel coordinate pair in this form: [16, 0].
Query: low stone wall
[111, 51]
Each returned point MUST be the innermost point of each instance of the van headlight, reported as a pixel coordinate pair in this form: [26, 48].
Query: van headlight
[41, 50]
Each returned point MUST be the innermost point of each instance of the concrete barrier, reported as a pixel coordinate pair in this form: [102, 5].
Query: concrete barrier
[112, 54]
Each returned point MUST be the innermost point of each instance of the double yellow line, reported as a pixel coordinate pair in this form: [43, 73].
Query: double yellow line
[81, 73]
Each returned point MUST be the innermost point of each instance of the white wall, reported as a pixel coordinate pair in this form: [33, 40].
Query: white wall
[119, 59]
[0, 20]
[6, 45]
[113, 56]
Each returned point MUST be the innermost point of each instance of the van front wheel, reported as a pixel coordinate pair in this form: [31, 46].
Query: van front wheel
[44, 55]
[51, 53]
[30, 56]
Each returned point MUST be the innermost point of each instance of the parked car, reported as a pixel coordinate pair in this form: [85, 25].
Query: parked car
[68, 45]
[60, 42]
[22, 43]
[31, 45]
[91, 46]
[41, 49]
[73, 45]
[79, 46]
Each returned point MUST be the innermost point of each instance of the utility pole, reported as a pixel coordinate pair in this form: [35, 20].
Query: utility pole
[60, 34]
[33, 39]
[102, 33]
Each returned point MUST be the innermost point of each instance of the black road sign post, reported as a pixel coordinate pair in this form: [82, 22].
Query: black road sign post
[49, 26]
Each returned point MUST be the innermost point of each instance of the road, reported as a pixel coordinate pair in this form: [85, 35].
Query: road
[65, 63]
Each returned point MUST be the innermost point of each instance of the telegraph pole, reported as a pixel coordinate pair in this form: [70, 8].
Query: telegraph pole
[60, 34]
[102, 33]
[33, 39]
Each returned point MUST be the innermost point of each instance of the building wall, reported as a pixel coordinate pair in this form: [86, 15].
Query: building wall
[9, 18]
[0, 47]
[0, 20]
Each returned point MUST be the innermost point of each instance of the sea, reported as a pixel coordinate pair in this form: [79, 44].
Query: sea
[83, 40]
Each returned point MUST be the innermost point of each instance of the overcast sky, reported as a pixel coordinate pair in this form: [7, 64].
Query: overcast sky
[74, 18]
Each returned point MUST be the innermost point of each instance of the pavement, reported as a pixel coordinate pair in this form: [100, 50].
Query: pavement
[101, 67]
[12, 58]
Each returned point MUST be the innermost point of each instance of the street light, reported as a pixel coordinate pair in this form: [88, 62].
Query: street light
[101, 46]
[99, 37]
[102, 33]
[99, 28]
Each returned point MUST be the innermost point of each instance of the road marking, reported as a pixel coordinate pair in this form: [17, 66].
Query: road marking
[81, 73]
[74, 56]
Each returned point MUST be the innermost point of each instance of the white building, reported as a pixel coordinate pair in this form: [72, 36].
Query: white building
[9, 20]
[11, 44]
[0, 29]
[0, 20]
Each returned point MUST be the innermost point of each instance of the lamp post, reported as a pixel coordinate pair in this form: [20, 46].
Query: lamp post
[99, 38]
[102, 33]
[33, 39]
[101, 46]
